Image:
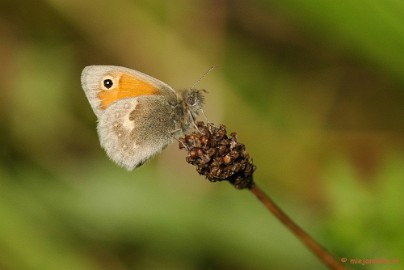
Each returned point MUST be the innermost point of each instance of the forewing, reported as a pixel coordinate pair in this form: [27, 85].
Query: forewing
[125, 83]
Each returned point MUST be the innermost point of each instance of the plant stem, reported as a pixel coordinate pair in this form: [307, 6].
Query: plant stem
[315, 247]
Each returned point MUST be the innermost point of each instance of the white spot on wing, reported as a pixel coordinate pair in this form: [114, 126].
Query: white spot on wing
[128, 124]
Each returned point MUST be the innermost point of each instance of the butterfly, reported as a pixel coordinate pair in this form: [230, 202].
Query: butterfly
[138, 115]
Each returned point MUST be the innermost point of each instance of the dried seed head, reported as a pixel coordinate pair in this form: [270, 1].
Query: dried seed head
[218, 156]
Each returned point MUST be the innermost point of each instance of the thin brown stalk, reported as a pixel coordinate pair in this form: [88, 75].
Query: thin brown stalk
[310, 243]
[220, 157]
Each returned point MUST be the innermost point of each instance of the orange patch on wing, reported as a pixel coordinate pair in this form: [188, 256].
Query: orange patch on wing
[128, 86]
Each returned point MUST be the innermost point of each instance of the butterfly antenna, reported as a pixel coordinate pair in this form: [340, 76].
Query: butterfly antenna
[203, 76]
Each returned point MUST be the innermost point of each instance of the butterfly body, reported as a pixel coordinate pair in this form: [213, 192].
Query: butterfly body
[138, 115]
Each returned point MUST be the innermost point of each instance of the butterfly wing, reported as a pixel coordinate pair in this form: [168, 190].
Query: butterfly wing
[135, 112]
[103, 85]
[135, 129]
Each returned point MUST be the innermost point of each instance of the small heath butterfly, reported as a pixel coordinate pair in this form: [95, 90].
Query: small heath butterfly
[138, 115]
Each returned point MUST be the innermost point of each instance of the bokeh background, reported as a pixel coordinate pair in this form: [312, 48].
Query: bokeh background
[314, 88]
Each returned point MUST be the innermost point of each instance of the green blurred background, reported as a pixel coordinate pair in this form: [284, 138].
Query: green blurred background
[315, 89]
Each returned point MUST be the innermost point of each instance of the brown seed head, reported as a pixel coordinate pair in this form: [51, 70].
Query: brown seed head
[218, 156]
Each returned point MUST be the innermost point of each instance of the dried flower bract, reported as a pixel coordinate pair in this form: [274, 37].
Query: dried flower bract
[218, 156]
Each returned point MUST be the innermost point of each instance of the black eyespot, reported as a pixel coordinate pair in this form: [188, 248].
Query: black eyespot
[108, 83]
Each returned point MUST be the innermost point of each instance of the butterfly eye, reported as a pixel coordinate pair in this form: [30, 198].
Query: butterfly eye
[191, 100]
[108, 83]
